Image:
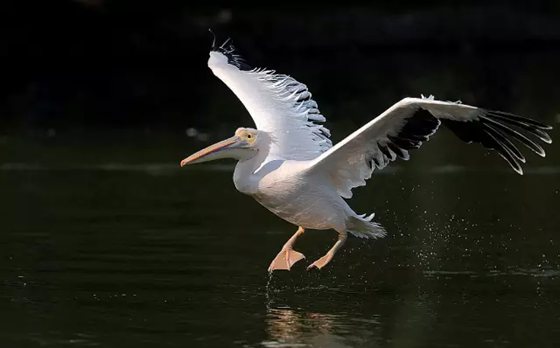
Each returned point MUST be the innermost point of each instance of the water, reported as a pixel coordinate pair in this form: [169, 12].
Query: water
[106, 242]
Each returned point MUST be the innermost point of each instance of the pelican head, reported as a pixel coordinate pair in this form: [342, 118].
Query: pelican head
[242, 146]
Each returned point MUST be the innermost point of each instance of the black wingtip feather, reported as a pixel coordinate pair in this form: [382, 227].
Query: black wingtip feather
[502, 138]
[520, 119]
[493, 129]
[492, 142]
[234, 58]
[517, 135]
[535, 128]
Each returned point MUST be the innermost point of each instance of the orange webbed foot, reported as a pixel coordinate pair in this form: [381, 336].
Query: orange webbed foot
[285, 259]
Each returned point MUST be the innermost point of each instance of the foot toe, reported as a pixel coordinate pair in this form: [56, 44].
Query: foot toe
[320, 263]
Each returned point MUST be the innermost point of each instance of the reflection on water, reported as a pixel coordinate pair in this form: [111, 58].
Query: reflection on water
[291, 328]
[286, 327]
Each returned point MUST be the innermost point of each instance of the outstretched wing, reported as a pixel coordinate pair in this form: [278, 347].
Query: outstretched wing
[278, 104]
[411, 121]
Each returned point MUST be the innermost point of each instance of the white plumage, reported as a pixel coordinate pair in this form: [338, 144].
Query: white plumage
[279, 105]
[288, 164]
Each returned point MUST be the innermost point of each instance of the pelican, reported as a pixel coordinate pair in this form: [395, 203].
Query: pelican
[289, 165]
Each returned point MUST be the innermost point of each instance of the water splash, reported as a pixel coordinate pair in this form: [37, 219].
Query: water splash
[267, 289]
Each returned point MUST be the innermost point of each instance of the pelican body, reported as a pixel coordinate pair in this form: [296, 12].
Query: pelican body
[289, 165]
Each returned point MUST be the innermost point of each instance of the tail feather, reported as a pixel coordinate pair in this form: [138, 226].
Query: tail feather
[363, 227]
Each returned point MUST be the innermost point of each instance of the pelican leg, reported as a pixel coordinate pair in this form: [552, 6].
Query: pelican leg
[287, 256]
[323, 261]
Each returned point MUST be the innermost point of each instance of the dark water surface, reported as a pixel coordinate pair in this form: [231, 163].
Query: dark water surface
[105, 245]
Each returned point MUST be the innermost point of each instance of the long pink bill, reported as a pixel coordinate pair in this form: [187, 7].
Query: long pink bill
[199, 156]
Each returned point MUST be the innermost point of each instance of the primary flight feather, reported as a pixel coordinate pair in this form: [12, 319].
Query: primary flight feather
[289, 165]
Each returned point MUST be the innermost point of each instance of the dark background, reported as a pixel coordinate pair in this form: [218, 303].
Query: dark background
[90, 64]
[105, 241]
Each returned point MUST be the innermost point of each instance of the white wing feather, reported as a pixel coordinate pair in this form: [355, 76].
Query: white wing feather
[351, 162]
[280, 106]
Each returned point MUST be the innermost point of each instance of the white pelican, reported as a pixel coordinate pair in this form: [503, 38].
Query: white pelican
[288, 163]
